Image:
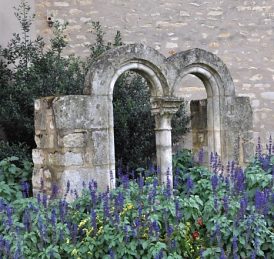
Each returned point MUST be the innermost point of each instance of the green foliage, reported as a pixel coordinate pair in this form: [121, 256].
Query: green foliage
[133, 123]
[12, 177]
[29, 70]
[19, 150]
[147, 219]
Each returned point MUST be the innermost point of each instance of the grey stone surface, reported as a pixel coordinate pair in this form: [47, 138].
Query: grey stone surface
[80, 112]
[75, 133]
[74, 140]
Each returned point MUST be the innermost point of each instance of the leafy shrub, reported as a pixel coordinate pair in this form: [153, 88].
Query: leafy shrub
[28, 71]
[208, 214]
[19, 150]
[14, 181]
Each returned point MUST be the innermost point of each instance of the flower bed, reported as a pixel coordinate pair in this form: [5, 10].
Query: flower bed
[217, 213]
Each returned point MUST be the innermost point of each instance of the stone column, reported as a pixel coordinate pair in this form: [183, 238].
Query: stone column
[163, 109]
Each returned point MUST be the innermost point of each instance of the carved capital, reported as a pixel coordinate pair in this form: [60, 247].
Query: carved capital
[165, 105]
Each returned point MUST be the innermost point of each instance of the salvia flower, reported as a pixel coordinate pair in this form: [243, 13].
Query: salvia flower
[222, 256]
[141, 182]
[201, 154]
[226, 203]
[260, 201]
[25, 189]
[53, 217]
[270, 146]
[170, 230]
[168, 190]
[62, 209]
[156, 228]
[93, 220]
[111, 254]
[68, 188]
[243, 206]
[106, 207]
[126, 234]
[54, 191]
[214, 182]
[45, 200]
[259, 148]
[27, 220]
[159, 255]
[253, 254]
[189, 184]
[41, 228]
[235, 247]
[239, 180]
[38, 198]
[9, 216]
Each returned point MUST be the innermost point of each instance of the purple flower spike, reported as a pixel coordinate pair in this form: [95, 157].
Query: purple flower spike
[189, 184]
[68, 187]
[253, 255]
[214, 182]
[226, 203]
[201, 156]
[45, 200]
[243, 206]
[9, 215]
[27, 220]
[53, 217]
[111, 254]
[222, 256]
[261, 201]
[239, 181]
[259, 148]
[235, 247]
[270, 146]
[54, 191]
[156, 228]
[159, 255]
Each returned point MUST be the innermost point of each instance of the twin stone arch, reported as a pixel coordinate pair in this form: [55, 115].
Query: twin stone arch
[164, 76]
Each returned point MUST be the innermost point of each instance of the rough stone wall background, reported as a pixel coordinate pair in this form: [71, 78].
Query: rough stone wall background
[240, 32]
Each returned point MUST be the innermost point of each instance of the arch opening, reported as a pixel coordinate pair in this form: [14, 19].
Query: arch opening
[134, 136]
[202, 88]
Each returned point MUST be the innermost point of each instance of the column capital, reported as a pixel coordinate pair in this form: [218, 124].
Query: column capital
[166, 105]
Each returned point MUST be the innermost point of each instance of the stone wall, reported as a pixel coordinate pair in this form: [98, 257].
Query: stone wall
[75, 134]
[239, 32]
[70, 134]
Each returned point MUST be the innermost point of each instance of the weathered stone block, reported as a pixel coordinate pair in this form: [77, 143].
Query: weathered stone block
[101, 147]
[38, 156]
[81, 112]
[67, 159]
[74, 140]
[55, 159]
[73, 159]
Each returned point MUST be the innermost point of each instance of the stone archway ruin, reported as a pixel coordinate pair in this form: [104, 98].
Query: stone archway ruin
[74, 134]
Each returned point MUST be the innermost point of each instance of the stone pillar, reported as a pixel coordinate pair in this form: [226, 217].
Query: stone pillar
[163, 109]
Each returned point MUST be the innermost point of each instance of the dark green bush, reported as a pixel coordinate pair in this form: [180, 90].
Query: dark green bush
[19, 150]
[28, 71]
